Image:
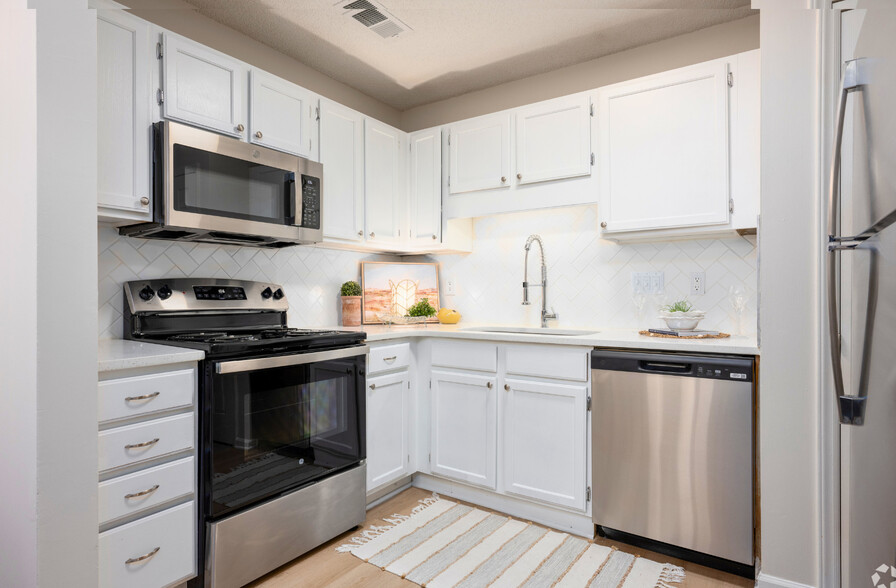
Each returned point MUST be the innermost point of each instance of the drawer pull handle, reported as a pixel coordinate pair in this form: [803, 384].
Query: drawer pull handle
[489, 385]
[393, 358]
[144, 444]
[141, 397]
[507, 387]
[144, 493]
[373, 386]
[133, 560]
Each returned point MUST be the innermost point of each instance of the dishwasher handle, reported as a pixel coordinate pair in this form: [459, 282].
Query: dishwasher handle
[665, 367]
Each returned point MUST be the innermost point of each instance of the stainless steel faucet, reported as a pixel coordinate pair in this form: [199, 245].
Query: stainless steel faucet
[545, 315]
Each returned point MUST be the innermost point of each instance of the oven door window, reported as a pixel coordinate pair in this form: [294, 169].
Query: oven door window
[274, 430]
[218, 185]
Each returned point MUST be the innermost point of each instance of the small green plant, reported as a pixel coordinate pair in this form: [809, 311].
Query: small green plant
[678, 306]
[422, 308]
[351, 288]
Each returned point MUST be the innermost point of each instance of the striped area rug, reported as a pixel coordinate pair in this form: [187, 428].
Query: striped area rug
[443, 543]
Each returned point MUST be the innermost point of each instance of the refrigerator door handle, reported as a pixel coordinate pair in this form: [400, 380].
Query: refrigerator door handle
[850, 408]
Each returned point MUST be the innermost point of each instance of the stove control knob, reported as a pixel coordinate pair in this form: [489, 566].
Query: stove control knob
[146, 293]
[164, 292]
[278, 294]
[266, 293]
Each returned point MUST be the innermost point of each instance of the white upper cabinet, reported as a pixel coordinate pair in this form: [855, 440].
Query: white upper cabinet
[426, 186]
[664, 150]
[281, 114]
[545, 439]
[384, 181]
[124, 107]
[342, 155]
[203, 87]
[480, 154]
[553, 140]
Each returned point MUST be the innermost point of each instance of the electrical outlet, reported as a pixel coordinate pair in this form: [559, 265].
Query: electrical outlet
[698, 283]
[449, 287]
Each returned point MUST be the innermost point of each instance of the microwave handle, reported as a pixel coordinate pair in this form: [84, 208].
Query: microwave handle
[296, 196]
[263, 363]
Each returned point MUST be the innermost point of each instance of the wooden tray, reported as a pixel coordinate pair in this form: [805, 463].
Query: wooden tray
[662, 336]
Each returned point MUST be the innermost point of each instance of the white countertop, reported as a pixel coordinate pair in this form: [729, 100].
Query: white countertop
[628, 339]
[120, 354]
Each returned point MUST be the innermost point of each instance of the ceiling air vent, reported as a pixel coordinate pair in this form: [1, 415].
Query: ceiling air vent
[375, 17]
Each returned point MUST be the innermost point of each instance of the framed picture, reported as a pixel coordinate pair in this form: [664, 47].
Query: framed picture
[389, 289]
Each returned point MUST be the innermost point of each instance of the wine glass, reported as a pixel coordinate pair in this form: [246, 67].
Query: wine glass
[639, 298]
[738, 297]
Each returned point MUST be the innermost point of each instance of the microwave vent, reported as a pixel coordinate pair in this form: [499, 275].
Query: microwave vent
[375, 17]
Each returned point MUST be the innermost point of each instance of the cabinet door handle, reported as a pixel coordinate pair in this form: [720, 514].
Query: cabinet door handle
[360, 233]
[141, 397]
[240, 128]
[393, 358]
[144, 201]
[144, 444]
[373, 386]
[603, 225]
[133, 560]
[503, 179]
[519, 176]
[489, 385]
[372, 234]
[258, 135]
[434, 237]
[143, 493]
[507, 387]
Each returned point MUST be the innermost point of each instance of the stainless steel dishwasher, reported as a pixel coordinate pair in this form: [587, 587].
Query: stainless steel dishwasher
[672, 454]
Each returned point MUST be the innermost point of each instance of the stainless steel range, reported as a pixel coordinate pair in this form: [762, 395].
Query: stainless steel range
[281, 421]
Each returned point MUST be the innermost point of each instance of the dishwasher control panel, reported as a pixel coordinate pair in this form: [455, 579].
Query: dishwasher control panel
[713, 367]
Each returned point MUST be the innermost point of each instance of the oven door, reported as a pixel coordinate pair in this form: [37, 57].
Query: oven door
[217, 184]
[275, 424]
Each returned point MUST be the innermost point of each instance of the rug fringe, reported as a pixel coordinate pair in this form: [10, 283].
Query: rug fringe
[375, 531]
[671, 574]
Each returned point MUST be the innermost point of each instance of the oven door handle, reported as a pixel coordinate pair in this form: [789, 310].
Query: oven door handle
[263, 363]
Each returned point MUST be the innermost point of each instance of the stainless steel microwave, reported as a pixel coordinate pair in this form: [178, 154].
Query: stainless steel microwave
[214, 189]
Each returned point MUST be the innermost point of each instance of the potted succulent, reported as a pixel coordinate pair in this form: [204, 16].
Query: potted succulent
[680, 315]
[351, 304]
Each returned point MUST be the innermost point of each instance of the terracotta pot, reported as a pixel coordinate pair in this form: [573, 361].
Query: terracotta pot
[351, 311]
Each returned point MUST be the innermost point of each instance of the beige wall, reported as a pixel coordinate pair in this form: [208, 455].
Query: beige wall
[703, 45]
[181, 18]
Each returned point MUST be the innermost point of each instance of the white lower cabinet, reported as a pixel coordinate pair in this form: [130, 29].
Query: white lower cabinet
[544, 441]
[464, 427]
[388, 432]
[154, 551]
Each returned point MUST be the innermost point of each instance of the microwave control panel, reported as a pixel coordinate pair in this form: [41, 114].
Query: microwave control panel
[310, 202]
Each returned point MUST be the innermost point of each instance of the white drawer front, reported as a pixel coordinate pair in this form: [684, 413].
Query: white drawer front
[136, 492]
[465, 355]
[548, 362]
[126, 397]
[389, 357]
[172, 531]
[134, 443]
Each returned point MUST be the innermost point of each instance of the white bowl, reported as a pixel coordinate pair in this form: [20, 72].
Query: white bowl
[683, 321]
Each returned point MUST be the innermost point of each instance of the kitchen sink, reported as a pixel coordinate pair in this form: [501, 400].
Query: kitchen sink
[532, 331]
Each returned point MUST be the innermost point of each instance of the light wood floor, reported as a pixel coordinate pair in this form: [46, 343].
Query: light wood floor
[326, 567]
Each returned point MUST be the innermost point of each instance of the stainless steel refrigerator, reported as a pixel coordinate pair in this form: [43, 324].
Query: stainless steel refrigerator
[861, 279]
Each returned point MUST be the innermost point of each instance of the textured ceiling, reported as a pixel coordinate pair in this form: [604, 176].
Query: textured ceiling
[458, 46]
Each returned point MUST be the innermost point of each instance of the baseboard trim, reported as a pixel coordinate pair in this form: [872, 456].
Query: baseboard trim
[766, 581]
[570, 522]
[383, 494]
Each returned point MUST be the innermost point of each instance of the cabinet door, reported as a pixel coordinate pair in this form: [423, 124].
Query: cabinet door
[480, 154]
[388, 411]
[203, 87]
[426, 186]
[545, 441]
[280, 114]
[553, 140]
[342, 155]
[124, 105]
[384, 181]
[464, 422]
[664, 150]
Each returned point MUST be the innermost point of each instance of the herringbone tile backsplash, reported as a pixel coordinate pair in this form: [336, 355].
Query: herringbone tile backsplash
[589, 280]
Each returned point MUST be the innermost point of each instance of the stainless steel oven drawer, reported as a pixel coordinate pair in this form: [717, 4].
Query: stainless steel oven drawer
[254, 542]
